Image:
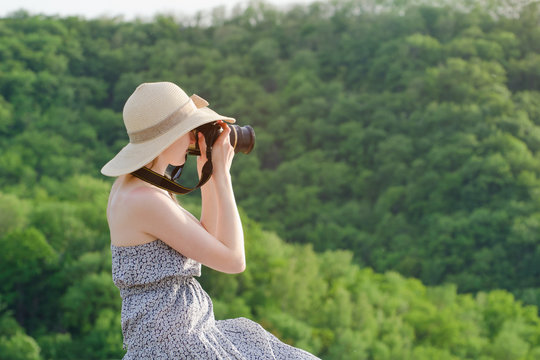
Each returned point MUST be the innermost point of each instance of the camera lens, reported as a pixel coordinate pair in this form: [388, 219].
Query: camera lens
[242, 138]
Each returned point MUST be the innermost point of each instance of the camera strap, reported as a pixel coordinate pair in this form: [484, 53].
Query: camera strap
[165, 183]
[171, 185]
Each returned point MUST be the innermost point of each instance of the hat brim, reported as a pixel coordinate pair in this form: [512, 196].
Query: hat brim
[135, 156]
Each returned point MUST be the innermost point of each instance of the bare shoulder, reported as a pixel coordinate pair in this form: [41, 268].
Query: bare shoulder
[135, 210]
[144, 197]
[144, 202]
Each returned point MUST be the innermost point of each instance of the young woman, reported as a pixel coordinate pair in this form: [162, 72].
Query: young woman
[158, 247]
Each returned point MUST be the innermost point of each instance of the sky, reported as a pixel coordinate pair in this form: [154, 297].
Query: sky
[129, 9]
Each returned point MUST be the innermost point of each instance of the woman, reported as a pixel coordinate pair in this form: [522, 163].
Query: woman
[158, 247]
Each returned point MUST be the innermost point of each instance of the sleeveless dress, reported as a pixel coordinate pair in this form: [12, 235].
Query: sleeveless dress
[167, 315]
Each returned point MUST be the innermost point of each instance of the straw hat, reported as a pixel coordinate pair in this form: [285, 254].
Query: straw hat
[156, 115]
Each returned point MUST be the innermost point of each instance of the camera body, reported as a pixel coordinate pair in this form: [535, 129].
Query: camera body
[242, 138]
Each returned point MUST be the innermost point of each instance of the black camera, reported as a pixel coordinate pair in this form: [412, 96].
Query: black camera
[242, 138]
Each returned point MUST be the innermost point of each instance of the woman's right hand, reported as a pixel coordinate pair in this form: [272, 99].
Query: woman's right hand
[222, 151]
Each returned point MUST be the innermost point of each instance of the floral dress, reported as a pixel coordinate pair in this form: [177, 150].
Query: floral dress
[167, 315]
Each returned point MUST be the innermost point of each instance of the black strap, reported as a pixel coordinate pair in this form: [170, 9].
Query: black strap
[163, 182]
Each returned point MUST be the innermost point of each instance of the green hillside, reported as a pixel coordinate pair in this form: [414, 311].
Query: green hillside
[58, 300]
[403, 139]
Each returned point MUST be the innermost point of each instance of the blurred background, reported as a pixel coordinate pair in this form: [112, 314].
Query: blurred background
[131, 9]
[391, 204]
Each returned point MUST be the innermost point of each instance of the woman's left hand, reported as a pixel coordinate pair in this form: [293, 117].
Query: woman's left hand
[201, 159]
[222, 150]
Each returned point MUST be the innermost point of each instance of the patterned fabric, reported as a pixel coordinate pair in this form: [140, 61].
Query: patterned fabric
[167, 315]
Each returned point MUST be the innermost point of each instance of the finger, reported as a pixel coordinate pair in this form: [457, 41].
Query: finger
[202, 145]
[224, 136]
[201, 140]
[225, 140]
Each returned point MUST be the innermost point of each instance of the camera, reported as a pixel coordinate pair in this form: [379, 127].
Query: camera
[242, 138]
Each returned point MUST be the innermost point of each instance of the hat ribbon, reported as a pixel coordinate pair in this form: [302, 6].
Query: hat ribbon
[152, 132]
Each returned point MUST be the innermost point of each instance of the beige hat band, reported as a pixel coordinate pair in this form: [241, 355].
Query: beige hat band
[163, 126]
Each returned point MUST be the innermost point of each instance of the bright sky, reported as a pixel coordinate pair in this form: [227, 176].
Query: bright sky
[128, 8]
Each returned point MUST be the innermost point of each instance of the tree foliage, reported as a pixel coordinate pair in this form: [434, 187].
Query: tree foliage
[398, 136]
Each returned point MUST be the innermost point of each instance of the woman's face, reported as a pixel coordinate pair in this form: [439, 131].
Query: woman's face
[176, 153]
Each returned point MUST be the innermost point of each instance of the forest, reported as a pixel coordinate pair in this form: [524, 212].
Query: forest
[391, 205]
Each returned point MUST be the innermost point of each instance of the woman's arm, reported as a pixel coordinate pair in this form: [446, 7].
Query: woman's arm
[209, 211]
[221, 203]
[153, 212]
[229, 226]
